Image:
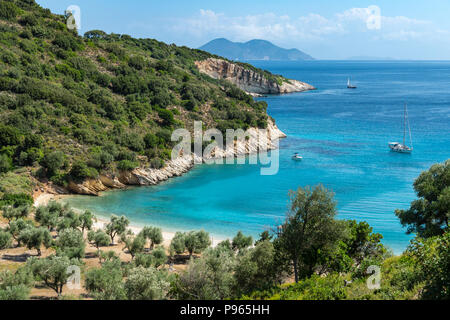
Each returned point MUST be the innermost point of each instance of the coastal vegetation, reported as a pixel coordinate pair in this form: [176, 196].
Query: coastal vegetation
[72, 107]
[310, 256]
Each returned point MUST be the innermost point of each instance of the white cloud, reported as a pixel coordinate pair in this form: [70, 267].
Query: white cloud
[311, 27]
[340, 35]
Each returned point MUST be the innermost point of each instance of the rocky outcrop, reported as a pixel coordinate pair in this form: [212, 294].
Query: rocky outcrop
[248, 80]
[90, 187]
[148, 176]
[111, 182]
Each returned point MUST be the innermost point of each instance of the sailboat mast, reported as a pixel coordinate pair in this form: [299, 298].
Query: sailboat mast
[404, 126]
[409, 128]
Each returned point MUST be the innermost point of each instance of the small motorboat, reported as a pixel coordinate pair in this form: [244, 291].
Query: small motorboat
[297, 157]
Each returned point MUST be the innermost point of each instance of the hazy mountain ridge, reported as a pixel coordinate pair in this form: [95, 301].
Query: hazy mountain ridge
[253, 50]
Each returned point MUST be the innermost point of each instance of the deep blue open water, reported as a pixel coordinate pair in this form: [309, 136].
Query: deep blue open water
[342, 135]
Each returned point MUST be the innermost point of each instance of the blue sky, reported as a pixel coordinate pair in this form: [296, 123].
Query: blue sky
[326, 29]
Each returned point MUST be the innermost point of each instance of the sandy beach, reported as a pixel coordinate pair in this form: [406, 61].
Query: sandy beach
[44, 198]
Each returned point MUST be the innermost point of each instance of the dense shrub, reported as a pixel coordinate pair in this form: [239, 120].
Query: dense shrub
[28, 20]
[156, 163]
[127, 165]
[5, 163]
[100, 160]
[9, 136]
[66, 42]
[8, 10]
[167, 117]
[137, 62]
[81, 171]
[52, 162]
[16, 200]
[314, 288]
[151, 140]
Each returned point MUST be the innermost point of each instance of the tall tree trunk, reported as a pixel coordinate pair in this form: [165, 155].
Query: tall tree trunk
[60, 290]
[296, 270]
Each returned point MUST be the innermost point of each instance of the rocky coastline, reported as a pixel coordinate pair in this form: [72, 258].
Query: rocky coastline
[252, 82]
[146, 176]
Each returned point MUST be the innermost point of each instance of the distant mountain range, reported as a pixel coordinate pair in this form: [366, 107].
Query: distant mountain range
[253, 50]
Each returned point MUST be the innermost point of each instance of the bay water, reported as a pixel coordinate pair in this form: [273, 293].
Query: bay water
[342, 135]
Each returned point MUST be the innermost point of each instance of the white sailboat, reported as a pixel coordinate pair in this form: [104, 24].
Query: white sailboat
[349, 85]
[402, 147]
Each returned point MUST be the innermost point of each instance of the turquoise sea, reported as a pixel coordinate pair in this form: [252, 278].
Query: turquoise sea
[342, 135]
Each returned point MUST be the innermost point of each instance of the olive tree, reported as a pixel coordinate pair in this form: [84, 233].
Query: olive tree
[107, 256]
[87, 221]
[53, 271]
[207, 278]
[309, 229]
[154, 235]
[117, 225]
[68, 220]
[70, 243]
[257, 269]
[17, 285]
[240, 241]
[46, 218]
[197, 241]
[106, 283]
[56, 215]
[10, 213]
[134, 245]
[156, 258]
[147, 284]
[5, 239]
[193, 242]
[16, 226]
[178, 244]
[98, 238]
[35, 238]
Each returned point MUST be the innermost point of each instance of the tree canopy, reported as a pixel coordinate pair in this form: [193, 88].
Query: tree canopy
[429, 215]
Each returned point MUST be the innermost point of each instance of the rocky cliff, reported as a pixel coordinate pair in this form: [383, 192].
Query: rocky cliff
[179, 166]
[249, 80]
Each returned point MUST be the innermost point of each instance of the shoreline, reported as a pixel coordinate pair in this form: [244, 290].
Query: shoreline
[148, 177]
[44, 198]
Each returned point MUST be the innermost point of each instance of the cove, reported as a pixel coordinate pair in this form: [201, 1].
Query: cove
[342, 135]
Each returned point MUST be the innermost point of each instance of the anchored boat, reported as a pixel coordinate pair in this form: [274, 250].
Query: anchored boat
[402, 147]
[350, 85]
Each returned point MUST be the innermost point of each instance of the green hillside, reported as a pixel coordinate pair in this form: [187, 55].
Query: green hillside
[73, 106]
